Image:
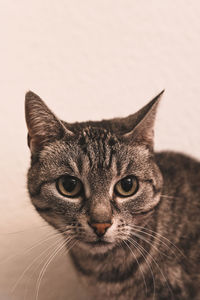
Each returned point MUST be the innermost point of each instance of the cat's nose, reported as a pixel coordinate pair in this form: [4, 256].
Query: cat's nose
[100, 228]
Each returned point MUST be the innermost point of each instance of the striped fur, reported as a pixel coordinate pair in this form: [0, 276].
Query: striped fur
[151, 250]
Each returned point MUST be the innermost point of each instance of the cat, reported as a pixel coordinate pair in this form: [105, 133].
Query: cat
[131, 214]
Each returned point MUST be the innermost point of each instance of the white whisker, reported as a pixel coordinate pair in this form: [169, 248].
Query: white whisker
[156, 235]
[147, 241]
[44, 268]
[165, 279]
[30, 265]
[38, 243]
[43, 260]
[170, 197]
[142, 273]
[147, 262]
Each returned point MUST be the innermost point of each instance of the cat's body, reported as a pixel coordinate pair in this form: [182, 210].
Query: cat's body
[133, 213]
[176, 276]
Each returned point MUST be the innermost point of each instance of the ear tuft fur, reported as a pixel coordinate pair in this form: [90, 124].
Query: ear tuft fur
[143, 123]
[43, 125]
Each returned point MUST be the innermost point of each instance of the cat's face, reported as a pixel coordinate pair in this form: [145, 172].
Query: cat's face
[93, 181]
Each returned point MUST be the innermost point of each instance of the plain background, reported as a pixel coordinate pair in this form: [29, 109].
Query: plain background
[87, 60]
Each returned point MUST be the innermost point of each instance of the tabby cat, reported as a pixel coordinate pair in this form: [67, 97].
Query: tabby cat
[132, 215]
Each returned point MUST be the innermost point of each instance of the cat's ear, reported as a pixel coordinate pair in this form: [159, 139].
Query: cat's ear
[141, 124]
[43, 125]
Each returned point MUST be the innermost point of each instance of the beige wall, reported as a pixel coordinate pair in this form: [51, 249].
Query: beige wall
[88, 60]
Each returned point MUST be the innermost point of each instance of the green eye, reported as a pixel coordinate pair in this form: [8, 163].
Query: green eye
[126, 187]
[69, 186]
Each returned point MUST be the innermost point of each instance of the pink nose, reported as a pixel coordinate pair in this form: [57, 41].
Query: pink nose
[100, 228]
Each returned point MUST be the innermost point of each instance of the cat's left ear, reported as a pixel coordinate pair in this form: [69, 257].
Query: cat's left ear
[143, 123]
[43, 125]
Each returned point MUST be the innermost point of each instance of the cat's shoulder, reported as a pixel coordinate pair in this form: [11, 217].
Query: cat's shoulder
[175, 157]
[173, 162]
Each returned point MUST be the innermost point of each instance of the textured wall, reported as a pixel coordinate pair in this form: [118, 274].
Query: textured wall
[88, 60]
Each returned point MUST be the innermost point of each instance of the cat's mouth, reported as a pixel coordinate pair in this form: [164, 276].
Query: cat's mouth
[99, 246]
[99, 242]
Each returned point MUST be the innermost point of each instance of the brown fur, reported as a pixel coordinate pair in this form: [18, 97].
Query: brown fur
[149, 248]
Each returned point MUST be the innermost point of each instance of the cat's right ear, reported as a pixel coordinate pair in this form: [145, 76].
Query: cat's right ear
[139, 127]
[43, 125]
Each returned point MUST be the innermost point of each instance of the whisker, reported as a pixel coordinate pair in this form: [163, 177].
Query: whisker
[25, 230]
[43, 259]
[37, 266]
[44, 268]
[29, 266]
[148, 264]
[141, 247]
[156, 235]
[55, 251]
[170, 197]
[41, 241]
[147, 241]
[142, 273]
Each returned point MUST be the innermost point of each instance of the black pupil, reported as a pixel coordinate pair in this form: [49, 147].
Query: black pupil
[69, 184]
[127, 184]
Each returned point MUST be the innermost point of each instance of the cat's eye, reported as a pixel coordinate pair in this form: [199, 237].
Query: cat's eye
[126, 187]
[69, 186]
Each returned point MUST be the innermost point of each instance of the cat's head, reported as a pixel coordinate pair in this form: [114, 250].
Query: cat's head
[93, 180]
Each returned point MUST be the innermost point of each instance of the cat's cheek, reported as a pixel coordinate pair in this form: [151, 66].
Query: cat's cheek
[55, 209]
